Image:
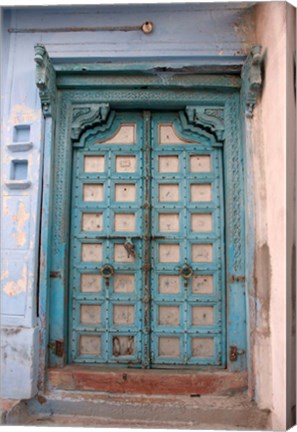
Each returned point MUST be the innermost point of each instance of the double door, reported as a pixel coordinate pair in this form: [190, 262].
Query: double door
[147, 246]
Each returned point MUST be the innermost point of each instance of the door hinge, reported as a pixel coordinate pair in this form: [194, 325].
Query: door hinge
[234, 352]
[239, 279]
[58, 347]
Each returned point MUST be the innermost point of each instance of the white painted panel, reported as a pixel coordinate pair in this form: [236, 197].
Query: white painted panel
[125, 192]
[123, 345]
[90, 314]
[126, 134]
[90, 282]
[169, 346]
[202, 253]
[123, 314]
[201, 222]
[125, 164]
[90, 345]
[168, 164]
[169, 315]
[202, 284]
[124, 283]
[168, 222]
[202, 315]
[91, 252]
[200, 163]
[168, 135]
[200, 192]
[121, 255]
[169, 192]
[124, 222]
[202, 347]
[93, 164]
[92, 221]
[169, 253]
[169, 284]
[93, 192]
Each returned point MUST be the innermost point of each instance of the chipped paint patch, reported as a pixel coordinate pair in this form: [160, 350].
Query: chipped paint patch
[12, 288]
[23, 114]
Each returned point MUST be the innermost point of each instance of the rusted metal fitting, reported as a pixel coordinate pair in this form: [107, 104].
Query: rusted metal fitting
[147, 27]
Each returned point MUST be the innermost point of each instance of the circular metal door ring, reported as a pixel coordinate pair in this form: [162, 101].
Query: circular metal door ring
[186, 271]
[107, 271]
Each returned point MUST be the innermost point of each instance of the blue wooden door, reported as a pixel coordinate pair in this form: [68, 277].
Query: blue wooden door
[147, 250]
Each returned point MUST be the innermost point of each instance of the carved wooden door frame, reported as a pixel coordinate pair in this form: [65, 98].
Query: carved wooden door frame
[213, 104]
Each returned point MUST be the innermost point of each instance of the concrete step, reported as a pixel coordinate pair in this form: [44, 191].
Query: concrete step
[66, 408]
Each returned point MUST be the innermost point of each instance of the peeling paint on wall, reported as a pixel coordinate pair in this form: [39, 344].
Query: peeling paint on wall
[13, 288]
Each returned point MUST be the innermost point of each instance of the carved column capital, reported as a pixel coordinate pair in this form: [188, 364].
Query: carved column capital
[45, 80]
[85, 116]
[252, 79]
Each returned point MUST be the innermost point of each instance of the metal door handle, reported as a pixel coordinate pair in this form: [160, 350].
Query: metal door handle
[107, 271]
[186, 271]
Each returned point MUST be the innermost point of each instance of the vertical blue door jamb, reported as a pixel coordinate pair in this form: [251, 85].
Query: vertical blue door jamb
[235, 238]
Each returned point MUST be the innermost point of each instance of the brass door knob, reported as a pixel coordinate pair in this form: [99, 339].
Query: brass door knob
[107, 271]
[186, 271]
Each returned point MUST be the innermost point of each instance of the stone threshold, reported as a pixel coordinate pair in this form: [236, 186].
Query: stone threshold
[92, 409]
[147, 382]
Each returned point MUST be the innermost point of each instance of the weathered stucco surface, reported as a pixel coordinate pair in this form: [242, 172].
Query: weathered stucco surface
[274, 22]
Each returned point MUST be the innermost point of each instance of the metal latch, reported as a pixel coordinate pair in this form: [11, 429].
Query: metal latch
[234, 352]
[58, 347]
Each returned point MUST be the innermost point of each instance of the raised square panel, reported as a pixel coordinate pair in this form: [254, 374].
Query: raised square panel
[168, 164]
[90, 345]
[122, 345]
[93, 164]
[124, 222]
[202, 347]
[169, 253]
[169, 192]
[123, 314]
[168, 135]
[91, 252]
[202, 253]
[168, 222]
[90, 314]
[125, 192]
[200, 192]
[123, 283]
[169, 284]
[125, 164]
[169, 347]
[201, 222]
[202, 284]
[202, 315]
[93, 192]
[90, 283]
[200, 163]
[121, 254]
[92, 222]
[126, 134]
[169, 315]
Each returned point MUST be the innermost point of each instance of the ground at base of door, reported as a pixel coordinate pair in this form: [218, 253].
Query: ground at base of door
[90, 409]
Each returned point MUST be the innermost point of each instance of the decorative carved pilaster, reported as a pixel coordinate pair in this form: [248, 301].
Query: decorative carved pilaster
[211, 120]
[252, 79]
[45, 80]
[86, 116]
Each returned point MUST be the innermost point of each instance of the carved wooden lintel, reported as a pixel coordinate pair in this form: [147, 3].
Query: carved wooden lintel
[45, 80]
[252, 79]
[209, 119]
[86, 116]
